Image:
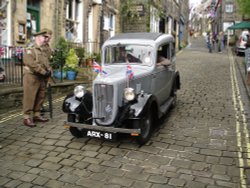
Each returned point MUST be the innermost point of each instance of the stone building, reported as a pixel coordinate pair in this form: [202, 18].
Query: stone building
[169, 16]
[216, 16]
[88, 23]
[85, 23]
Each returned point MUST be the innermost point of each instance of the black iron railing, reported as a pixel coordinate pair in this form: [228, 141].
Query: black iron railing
[11, 66]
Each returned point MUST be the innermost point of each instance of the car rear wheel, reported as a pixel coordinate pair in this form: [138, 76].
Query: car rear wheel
[145, 124]
[74, 130]
[174, 96]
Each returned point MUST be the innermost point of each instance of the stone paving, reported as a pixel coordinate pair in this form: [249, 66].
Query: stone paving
[202, 143]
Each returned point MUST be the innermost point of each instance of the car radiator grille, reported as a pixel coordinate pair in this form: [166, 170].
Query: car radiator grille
[104, 95]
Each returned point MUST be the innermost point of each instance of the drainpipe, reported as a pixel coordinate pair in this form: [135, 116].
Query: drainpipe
[101, 24]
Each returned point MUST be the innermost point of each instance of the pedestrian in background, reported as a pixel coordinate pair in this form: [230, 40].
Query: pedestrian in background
[221, 42]
[209, 41]
[36, 72]
[247, 59]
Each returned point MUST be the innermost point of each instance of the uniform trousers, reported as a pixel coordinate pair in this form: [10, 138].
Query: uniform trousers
[34, 88]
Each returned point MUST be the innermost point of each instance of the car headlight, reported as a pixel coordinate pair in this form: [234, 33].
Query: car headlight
[129, 94]
[79, 91]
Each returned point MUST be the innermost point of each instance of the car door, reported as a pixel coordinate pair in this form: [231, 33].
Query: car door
[162, 76]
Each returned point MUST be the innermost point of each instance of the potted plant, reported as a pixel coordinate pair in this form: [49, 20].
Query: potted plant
[80, 54]
[88, 56]
[71, 64]
[97, 57]
[58, 58]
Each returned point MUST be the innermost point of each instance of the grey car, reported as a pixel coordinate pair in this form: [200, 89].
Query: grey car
[131, 92]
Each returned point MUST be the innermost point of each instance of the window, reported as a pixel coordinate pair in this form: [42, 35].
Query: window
[72, 19]
[226, 25]
[229, 8]
[164, 51]
[109, 22]
[172, 50]
[135, 54]
[33, 3]
[106, 23]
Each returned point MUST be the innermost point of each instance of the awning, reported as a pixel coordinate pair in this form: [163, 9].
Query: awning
[241, 25]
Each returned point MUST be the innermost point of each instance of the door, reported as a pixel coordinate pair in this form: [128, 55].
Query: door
[33, 18]
[163, 74]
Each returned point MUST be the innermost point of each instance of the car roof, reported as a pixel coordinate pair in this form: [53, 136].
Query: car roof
[142, 38]
[244, 33]
[138, 36]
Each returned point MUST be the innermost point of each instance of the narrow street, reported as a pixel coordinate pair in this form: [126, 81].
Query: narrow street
[202, 143]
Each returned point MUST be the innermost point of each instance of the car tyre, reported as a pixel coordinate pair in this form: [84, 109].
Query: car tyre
[174, 96]
[74, 130]
[145, 124]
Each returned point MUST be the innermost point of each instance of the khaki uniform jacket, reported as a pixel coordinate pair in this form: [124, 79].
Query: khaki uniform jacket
[48, 53]
[35, 61]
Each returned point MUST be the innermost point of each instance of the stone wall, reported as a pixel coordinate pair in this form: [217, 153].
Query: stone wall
[11, 97]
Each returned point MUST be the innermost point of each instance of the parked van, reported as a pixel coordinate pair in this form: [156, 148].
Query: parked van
[241, 43]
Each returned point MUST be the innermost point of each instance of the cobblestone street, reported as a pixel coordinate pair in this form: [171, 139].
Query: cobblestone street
[202, 143]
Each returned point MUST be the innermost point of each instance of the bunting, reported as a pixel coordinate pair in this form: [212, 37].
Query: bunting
[130, 73]
[97, 68]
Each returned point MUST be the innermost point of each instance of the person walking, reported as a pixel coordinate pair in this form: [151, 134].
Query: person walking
[209, 41]
[214, 41]
[36, 73]
[221, 42]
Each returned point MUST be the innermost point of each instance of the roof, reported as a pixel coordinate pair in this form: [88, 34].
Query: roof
[142, 36]
[241, 25]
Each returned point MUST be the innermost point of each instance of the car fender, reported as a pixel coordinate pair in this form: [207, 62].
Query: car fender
[142, 104]
[177, 81]
[82, 106]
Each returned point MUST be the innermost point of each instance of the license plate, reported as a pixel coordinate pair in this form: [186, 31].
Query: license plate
[99, 134]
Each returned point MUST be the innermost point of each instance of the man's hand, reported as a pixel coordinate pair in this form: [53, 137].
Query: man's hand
[47, 74]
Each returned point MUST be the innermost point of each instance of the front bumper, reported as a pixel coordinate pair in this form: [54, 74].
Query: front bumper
[101, 128]
[241, 50]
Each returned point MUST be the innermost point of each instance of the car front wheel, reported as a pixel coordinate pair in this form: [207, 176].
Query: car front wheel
[74, 130]
[145, 124]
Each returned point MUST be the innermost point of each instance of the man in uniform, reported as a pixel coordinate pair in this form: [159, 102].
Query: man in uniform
[36, 74]
[48, 53]
[46, 47]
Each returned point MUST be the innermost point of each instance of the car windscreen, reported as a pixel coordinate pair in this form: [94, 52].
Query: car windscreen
[133, 54]
[245, 37]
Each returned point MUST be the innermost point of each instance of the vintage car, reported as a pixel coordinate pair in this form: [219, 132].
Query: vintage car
[130, 93]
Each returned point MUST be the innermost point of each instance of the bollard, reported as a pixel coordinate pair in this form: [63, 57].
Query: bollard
[50, 101]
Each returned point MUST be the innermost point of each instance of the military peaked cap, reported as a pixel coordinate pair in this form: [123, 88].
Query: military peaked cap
[44, 31]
